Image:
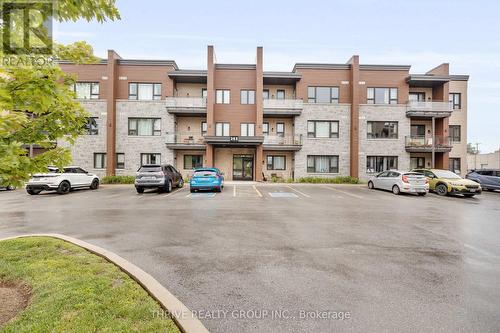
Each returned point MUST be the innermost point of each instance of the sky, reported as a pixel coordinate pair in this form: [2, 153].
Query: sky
[422, 34]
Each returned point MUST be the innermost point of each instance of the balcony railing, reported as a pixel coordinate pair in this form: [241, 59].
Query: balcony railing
[437, 143]
[431, 109]
[186, 105]
[184, 140]
[289, 142]
[283, 106]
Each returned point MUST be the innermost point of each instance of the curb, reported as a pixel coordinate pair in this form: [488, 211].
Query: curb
[184, 318]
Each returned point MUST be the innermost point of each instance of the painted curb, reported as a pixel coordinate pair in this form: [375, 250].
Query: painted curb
[184, 318]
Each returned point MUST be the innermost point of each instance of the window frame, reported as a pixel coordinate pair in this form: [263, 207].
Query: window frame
[245, 96]
[331, 169]
[204, 131]
[91, 84]
[278, 91]
[200, 156]
[265, 94]
[224, 92]
[223, 126]
[157, 155]
[418, 158]
[271, 166]
[247, 126]
[374, 99]
[455, 105]
[332, 135]
[155, 132]
[135, 97]
[314, 99]
[376, 158]
[451, 162]
[452, 132]
[103, 160]
[371, 136]
[88, 126]
[117, 161]
[419, 94]
[265, 132]
[280, 133]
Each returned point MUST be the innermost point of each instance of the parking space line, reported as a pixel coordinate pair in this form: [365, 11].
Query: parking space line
[234, 190]
[256, 190]
[344, 192]
[299, 192]
[189, 194]
[173, 192]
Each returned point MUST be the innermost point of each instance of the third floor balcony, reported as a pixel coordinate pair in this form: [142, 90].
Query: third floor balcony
[188, 106]
[428, 109]
[283, 107]
[427, 144]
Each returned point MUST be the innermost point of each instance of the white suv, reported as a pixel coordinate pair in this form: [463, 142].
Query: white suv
[72, 177]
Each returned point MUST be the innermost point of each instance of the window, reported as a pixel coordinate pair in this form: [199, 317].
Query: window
[91, 126]
[382, 95]
[193, 161]
[99, 160]
[417, 131]
[280, 94]
[381, 163]
[280, 129]
[276, 162]
[120, 160]
[204, 128]
[416, 97]
[247, 97]
[322, 164]
[87, 90]
[265, 94]
[322, 129]
[144, 91]
[456, 100]
[417, 162]
[454, 165]
[222, 96]
[382, 130]
[247, 129]
[323, 95]
[204, 92]
[222, 129]
[455, 133]
[144, 126]
[150, 158]
[265, 128]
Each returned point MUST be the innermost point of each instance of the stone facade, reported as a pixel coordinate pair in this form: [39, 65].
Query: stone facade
[323, 146]
[383, 147]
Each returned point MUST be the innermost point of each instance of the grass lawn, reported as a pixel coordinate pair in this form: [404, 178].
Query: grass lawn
[74, 290]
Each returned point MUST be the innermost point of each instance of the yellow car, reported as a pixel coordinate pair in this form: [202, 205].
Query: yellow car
[445, 182]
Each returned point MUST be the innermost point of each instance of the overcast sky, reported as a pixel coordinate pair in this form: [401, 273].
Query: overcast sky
[421, 33]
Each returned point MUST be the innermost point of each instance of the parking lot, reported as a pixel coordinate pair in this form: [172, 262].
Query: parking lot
[395, 263]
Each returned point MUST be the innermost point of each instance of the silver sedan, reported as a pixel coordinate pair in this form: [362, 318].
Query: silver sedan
[400, 181]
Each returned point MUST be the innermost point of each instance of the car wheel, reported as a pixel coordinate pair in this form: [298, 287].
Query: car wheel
[10, 188]
[218, 189]
[33, 192]
[468, 195]
[395, 189]
[422, 194]
[64, 187]
[441, 189]
[370, 185]
[192, 190]
[490, 189]
[139, 189]
[95, 184]
[168, 188]
[181, 183]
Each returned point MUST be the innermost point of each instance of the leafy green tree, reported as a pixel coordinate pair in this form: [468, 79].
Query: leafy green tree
[37, 104]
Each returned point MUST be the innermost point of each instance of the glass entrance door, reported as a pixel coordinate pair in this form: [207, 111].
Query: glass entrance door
[243, 167]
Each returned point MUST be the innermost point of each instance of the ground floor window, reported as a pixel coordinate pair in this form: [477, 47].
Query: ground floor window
[99, 160]
[193, 161]
[276, 162]
[417, 162]
[454, 165]
[150, 158]
[120, 160]
[381, 163]
[322, 164]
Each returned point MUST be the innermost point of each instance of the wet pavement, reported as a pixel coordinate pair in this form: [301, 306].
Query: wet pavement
[290, 258]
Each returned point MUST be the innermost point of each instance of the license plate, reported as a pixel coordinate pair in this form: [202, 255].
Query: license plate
[472, 190]
[148, 178]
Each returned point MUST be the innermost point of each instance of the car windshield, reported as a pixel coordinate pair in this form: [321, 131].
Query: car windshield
[205, 173]
[150, 169]
[446, 174]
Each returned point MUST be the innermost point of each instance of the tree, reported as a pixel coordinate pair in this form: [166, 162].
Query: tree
[37, 104]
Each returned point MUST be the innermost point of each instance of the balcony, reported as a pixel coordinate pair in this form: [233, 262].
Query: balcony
[420, 144]
[239, 141]
[186, 106]
[283, 107]
[290, 143]
[429, 109]
[186, 141]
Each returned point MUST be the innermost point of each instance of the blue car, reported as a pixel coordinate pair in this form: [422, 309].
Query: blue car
[206, 179]
[488, 178]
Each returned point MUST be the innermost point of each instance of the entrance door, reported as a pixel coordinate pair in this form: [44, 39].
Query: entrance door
[242, 167]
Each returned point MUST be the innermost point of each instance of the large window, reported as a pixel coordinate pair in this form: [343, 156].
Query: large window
[120, 160]
[416, 96]
[382, 130]
[382, 96]
[322, 164]
[455, 136]
[381, 163]
[99, 160]
[265, 128]
[223, 96]
[91, 126]
[193, 161]
[454, 165]
[417, 162]
[144, 126]
[323, 95]
[222, 129]
[276, 162]
[150, 158]
[456, 100]
[247, 97]
[204, 128]
[322, 129]
[87, 90]
[144, 91]
[247, 129]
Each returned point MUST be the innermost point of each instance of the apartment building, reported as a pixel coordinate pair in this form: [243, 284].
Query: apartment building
[320, 120]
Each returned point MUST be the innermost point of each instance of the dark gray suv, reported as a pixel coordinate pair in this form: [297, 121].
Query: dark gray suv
[162, 177]
[488, 178]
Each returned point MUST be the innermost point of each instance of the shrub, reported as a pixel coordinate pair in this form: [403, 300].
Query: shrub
[328, 180]
[118, 180]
